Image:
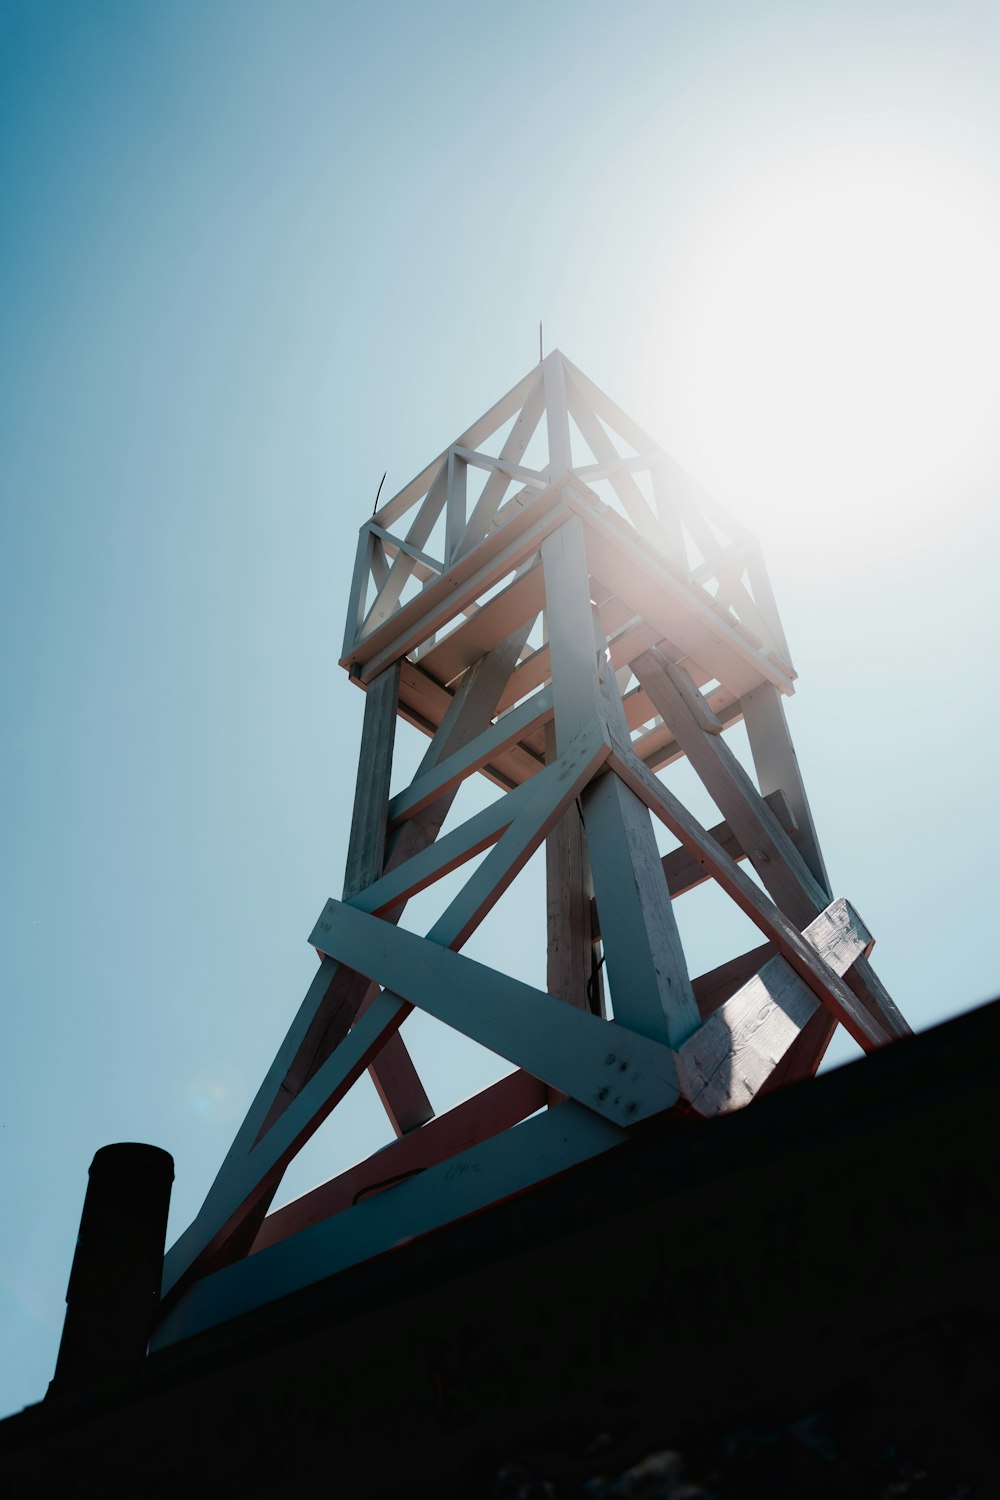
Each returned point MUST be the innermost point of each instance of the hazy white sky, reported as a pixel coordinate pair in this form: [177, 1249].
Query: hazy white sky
[253, 255]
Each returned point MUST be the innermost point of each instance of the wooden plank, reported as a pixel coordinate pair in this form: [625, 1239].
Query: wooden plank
[357, 598]
[465, 581]
[602, 404]
[508, 729]
[733, 1054]
[570, 963]
[547, 800]
[643, 952]
[780, 867]
[448, 852]
[622, 1076]
[387, 600]
[569, 618]
[636, 505]
[776, 764]
[680, 611]
[778, 863]
[366, 845]
[455, 517]
[498, 483]
[683, 871]
[496, 1108]
[717, 985]
[659, 748]
[395, 1078]
[531, 478]
[487, 424]
[539, 1148]
[236, 1195]
[397, 544]
[642, 948]
[866, 1029]
[523, 597]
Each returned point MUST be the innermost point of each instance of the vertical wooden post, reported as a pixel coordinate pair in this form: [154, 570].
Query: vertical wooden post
[392, 1072]
[570, 948]
[455, 520]
[366, 848]
[649, 979]
[777, 767]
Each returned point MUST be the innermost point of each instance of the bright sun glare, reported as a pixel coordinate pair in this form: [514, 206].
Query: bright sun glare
[833, 337]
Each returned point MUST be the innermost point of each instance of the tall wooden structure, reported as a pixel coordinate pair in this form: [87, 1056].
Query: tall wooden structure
[567, 625]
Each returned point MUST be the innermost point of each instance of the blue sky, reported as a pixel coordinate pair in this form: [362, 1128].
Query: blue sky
[253, 255]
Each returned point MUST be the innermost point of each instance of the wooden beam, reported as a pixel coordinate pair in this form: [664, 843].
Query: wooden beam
[680, 611]
[684, 871]
[733, 1054]
[624, 1078]
[501, 1105]
[487, 424]
[777, 764]
[523, 597]
[779, 865]
[510, 1162]
[570, 964]
[366, 845]
[508, 729]
[455, 519]
[395, 1078]
[717, 985]
[866, 1029]
[496, 486]
[387, 600]
[465, 581]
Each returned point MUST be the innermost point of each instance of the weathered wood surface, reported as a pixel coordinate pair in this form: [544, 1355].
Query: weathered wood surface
[684, 871]
[867, 1030]
[522, 599]
[643, 952]
[715, 986]
[781, 868]
[570, 961]
[624, 1077]
[732, 1055]
[509, 728]
[467, 578]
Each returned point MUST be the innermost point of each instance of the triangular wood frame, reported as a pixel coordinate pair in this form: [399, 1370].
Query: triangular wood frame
[658, 630]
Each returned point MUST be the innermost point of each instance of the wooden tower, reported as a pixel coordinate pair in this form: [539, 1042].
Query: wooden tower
[567, 625]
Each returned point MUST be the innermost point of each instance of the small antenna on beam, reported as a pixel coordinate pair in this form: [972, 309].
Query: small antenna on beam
[378, 492]
[540, 354]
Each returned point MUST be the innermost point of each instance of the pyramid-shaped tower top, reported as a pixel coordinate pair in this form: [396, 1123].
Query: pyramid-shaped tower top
[448, 561]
